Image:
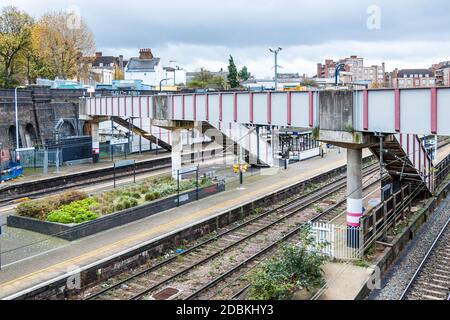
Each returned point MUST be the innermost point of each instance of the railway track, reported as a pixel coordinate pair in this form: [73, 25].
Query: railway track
[431, 280]
[260, 234]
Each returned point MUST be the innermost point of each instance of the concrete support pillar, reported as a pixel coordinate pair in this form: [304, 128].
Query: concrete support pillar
[95, 142]
[354, 196]
[177, 150]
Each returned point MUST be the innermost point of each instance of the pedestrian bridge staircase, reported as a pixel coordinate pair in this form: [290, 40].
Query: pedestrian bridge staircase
[406, 160]
[255, 151]
[141, 132]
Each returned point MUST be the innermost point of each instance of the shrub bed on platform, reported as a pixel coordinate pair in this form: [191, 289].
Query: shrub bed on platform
[77, 207]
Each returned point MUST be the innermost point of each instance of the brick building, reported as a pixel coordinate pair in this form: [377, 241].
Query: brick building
[413, 78]
[354, 66]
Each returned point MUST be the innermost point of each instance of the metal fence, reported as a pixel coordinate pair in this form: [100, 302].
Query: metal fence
[337, 241]
[39, 158]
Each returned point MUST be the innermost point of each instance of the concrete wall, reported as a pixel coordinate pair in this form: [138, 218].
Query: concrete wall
[336, 110]
[7, 116]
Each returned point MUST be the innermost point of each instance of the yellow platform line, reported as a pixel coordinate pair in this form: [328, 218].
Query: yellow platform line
[168, 226]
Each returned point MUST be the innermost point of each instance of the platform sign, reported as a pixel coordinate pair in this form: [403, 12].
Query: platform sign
[122, 164]
[116, 142]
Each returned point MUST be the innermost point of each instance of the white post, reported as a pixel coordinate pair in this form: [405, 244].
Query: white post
[354, 195]
[177, 149]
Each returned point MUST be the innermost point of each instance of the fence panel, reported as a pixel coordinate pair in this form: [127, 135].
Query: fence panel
[36, 158]
[338, 242]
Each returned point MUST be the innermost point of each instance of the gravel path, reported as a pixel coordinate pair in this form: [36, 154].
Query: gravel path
[398, 277]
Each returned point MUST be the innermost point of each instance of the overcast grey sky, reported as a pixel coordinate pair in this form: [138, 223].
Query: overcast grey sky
[200, 33]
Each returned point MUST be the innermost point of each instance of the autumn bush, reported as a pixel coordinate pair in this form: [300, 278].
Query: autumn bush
[39, 209]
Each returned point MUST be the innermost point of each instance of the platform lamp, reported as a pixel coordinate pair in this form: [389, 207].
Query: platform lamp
[160, 83]
[17, 120]
[275, 52]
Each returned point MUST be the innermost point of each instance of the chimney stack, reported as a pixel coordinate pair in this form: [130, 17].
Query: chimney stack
[98, 54]
[121, 63]
[145, 54]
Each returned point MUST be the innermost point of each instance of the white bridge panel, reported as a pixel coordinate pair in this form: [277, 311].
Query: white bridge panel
[201, 107]
[443, 111]
[381, 111]
[243, 108]
[300, 110]
[260, 108]
[214, 112]
[227, 107]
[189, 107]
[415, 111]
[279, 109]
[177, 109]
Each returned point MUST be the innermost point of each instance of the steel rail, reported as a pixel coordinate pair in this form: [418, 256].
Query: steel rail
[424, 261]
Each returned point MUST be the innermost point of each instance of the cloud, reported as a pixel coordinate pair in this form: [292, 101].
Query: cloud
[200, 33]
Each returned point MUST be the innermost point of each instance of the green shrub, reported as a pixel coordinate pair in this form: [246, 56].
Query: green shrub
[136, 195]
[76, 212]
[151, 196]
[296, 268]
[120, 206]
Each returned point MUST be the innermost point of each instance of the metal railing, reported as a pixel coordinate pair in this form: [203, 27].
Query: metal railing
[337, 241]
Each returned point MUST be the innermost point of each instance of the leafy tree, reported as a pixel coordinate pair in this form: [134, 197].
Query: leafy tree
[309, 83]
[204, 79]
[232, 74]
[244, 75]
[15, 41]
[60, 45]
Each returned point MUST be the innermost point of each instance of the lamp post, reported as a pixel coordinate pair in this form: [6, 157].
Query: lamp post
[160, 83]
[17, 120]
[336, 73]
[275, 52]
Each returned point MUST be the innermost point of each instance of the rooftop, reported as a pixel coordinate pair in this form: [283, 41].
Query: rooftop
[136, 64]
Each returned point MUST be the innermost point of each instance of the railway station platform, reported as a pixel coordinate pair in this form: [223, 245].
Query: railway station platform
[32, 175]
[38, 269]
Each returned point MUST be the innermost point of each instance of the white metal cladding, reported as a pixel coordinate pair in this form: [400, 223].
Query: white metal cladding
[300, 109]
[189, 107]
[227, 107]
[413, 111]
[415, 106]
[381, 117]
[213, 106]
[410, 111]
[279, 109]
[201, 107]
[243, 108]
[443, 111]
[260, 108]
[178, 113]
